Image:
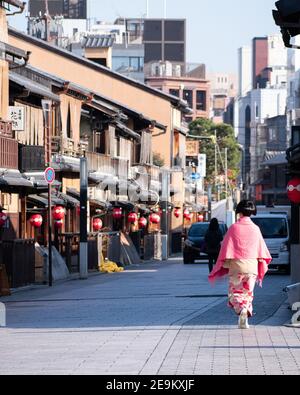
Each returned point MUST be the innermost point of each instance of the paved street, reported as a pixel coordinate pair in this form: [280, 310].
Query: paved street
[153, 319]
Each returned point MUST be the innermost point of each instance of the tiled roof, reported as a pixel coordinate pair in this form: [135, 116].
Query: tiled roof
[98, 41]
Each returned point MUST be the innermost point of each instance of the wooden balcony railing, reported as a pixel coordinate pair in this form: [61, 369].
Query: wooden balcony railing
[8, 153]
[31, 158]
[6, 129]
[115, 167]
[66, 146]
[100, 163]
[155, 173]
[144, 174]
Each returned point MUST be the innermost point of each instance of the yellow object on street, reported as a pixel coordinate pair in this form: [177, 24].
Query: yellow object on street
[110, 267]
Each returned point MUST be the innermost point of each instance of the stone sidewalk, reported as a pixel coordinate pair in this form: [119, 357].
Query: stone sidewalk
[158, 319]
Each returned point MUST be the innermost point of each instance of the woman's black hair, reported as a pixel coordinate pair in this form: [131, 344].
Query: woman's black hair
[214, 225]
[247, 208]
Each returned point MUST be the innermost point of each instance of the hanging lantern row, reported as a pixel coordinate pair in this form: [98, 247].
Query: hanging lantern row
[36, 221]
[58, 213]
[187, 215]
[117, 213]
[143, 223]
[294, 190]
[3, 219]
[132, 218]
[200, 218]
[155, 219]
[97, 224]
[177, 213]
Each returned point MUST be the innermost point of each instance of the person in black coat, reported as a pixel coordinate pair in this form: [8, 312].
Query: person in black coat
[213, 240]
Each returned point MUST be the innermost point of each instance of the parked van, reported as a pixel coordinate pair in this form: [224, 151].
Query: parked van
[275, 210]
[276, 232]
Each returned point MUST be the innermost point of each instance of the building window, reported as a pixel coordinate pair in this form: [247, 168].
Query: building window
[188, 119]
[272, 134]
[175, 52]
[75, 9]
[174, 92]
[153, 30]
[153, 52]
[174, 30]
[201, 100]
[188, 96]
[123, 64]
[134, 64]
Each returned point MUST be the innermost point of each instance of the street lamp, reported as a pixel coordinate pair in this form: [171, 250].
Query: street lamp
[243, 174]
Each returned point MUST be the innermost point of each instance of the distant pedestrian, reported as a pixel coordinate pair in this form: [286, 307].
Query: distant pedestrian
[245, 257]
[213, 240]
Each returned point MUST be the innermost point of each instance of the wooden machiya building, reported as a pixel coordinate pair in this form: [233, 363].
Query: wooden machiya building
[118, 125]
[117, 142]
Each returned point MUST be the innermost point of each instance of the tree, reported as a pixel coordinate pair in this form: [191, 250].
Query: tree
[158, 160]
[225, 139]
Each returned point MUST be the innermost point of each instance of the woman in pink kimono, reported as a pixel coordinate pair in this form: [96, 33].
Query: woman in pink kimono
[245, 258]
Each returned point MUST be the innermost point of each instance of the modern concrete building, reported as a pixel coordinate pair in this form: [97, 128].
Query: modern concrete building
[269, 57]
[260, 61]
[187, 82]
[223, 91]
[265, 100]
[165, 40]
[245, 70]
[253, 112]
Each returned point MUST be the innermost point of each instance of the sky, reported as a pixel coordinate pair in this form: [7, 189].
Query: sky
[215, 28]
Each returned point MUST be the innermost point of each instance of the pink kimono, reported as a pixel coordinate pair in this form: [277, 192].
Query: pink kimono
[243, 241]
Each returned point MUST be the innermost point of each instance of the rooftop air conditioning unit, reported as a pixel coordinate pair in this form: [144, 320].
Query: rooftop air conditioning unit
[177, 70]
[155, 69]
[168, 67]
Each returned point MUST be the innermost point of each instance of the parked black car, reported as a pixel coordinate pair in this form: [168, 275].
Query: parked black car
[193, 246]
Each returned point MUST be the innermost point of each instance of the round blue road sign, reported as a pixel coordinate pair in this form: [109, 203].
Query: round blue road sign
[50, 175]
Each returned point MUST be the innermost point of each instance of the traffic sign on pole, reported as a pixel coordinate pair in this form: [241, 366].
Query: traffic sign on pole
[50, 178]
[50, 175]
[195, 176]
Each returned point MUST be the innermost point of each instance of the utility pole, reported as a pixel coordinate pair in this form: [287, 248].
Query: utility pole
[209, 194]
[216, 162]
[165, 220]
[47, 112]
[83, 258]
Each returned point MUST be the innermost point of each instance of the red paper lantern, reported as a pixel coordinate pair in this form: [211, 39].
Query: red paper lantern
[3, 219]
[177, 212]
[187, 215]
[59, 224]
[154, 219]
[117, 213]
[143, 223]
[200, 218]
[58, 213]
[132, 218]
[294, 190]
[97, 224]
[36, 220]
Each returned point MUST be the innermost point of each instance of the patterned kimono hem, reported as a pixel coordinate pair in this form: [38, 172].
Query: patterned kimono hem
[241, 292]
